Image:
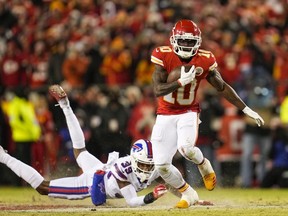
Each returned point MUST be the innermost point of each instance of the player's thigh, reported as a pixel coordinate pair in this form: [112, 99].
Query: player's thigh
[164, 138]
[88, 162]
[187, 129]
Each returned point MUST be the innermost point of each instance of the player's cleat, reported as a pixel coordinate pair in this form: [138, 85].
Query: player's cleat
[208, 175]
[210, 181]
[57, 92]
[188, 199]
[182, 204]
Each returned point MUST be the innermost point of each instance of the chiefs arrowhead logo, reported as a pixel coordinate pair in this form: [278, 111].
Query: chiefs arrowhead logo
[199, 71]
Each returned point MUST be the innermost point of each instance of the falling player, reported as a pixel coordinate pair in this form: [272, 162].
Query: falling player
[118, 178]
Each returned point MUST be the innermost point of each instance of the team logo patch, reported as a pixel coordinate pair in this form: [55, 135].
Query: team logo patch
[199, 71]
[137, 147]
[101, 187]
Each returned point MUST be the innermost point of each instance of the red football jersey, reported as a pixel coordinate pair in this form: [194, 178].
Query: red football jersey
[183, 99]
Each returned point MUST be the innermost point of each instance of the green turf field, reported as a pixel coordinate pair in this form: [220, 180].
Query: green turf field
[248, 202]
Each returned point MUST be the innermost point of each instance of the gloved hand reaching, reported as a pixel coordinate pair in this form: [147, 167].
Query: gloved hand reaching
[249, 112]
[186, 77]
[159, 191]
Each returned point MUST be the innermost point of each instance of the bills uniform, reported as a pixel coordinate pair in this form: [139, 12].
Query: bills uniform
[177, 112]
[80, 187]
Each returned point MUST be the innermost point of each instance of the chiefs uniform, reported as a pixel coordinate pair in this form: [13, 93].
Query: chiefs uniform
[183, 99]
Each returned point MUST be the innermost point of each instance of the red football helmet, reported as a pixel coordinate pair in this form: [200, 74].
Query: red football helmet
[185, 38]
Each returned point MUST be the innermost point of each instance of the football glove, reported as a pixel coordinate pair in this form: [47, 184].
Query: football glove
[159, 191]
[258, 119]
[186, 77]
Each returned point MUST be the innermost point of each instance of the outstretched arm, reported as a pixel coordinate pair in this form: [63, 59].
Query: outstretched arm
[215, 79]
[130, 195]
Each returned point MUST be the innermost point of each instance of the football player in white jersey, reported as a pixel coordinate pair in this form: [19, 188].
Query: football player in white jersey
[118, 178]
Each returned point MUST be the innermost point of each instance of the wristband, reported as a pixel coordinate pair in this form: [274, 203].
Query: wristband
[149, 198]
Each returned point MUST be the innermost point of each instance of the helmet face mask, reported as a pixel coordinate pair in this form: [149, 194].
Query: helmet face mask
[142, 159]
[185, 38]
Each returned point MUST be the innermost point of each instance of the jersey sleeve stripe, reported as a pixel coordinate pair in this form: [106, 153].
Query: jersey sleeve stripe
[212, 67]
[119, 173]
[157, 61]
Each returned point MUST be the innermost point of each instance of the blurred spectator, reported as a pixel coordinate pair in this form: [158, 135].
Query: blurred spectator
[277, 166]
[95, 101]
[45, 150]
[114, 126]
[38, 66]
[142, 113]
[12, 72]
[228, 59]
[55, 62]
[143, 68]
[284, 110]
[93, 75]
[75, 66]
[281, 67]
[116, 65]
[260, 93]
[7, 19]
[24, 125]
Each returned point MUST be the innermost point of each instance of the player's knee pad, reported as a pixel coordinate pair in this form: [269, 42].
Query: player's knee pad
[163, 169]
[189, 152]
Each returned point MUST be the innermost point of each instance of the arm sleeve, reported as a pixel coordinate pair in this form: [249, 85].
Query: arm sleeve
[130, 195]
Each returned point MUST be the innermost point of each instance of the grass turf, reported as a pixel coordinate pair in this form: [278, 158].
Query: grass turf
[227, 201]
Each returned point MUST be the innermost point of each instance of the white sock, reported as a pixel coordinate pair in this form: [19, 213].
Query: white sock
[173, 176]
[189, 194]
[205, 168]
[75, 131]
[29, 174]
[64, 103]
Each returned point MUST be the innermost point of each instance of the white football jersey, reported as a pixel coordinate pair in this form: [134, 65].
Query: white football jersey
[122, 170]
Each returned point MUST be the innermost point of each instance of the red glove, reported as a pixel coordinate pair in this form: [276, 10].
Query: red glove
[159, 191]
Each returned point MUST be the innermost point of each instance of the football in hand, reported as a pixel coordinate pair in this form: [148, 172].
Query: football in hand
[175, 74]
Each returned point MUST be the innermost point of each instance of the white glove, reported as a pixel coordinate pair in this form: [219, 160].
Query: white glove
[186, 77]
[249, 112]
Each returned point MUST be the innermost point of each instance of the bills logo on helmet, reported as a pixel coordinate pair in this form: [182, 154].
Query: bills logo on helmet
[137, 147]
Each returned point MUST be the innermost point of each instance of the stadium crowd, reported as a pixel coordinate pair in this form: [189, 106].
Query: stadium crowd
[99, 51]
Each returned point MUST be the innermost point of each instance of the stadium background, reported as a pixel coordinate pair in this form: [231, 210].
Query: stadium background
[99, 51]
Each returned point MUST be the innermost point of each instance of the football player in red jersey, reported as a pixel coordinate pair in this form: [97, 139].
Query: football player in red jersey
[176, 126]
